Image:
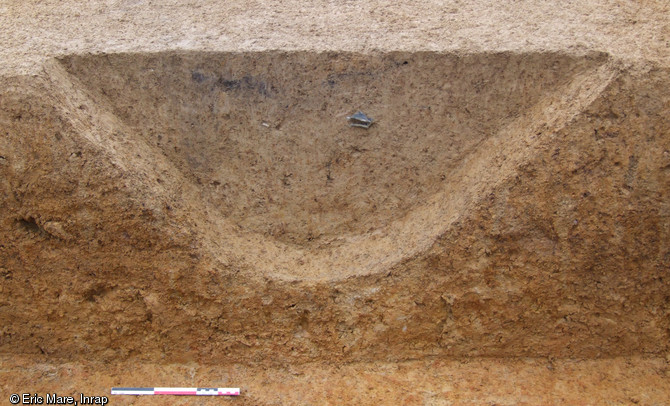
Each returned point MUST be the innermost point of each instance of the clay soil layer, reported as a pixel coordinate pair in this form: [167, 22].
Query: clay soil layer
[200, 213]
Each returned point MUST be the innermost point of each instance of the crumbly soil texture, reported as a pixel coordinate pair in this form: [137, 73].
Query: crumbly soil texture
[206, 216]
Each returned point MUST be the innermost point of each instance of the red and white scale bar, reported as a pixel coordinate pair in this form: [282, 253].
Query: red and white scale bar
[177, 391]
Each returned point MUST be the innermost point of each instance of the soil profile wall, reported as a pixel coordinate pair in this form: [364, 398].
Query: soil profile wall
[217, 207]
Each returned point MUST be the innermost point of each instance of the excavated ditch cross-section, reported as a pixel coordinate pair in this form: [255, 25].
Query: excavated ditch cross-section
[265, 140]
[217, 207]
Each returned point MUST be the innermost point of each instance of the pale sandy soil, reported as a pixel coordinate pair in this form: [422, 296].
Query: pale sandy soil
[33, 30]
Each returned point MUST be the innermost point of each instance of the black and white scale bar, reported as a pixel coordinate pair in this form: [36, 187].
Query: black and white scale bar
[177, 391]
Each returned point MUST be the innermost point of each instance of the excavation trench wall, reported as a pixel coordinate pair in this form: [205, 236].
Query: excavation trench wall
[217, 207]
